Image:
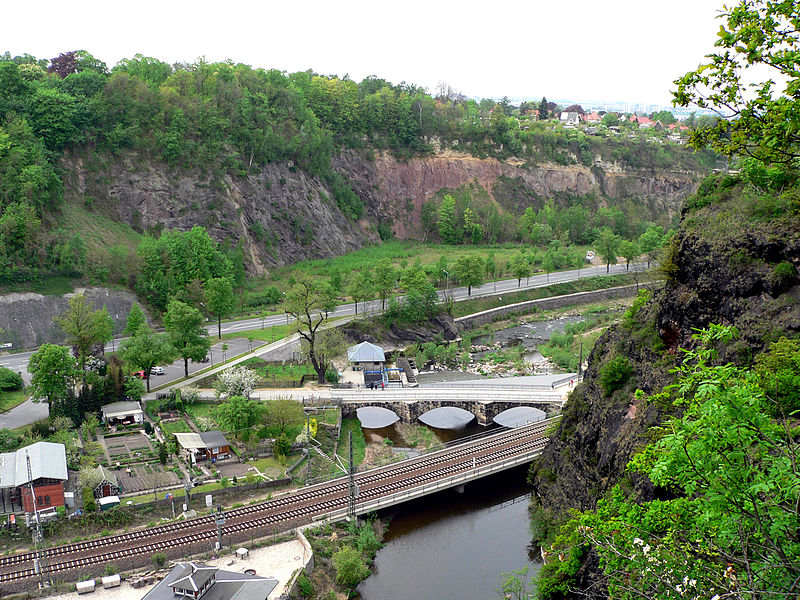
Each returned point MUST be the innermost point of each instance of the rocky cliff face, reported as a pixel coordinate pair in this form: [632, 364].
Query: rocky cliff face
[724, 269]
[27, 319]
[281, 214]
[396, 190]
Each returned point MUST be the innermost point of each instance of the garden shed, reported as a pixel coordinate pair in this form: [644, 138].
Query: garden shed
[109, 484]
[122, 413]
[366, 357]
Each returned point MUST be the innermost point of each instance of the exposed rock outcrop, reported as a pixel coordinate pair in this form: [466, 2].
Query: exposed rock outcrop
[281, 214]
[27, 319]
[724, 270]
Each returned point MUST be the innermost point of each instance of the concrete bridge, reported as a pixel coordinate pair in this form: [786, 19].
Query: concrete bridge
[482, 401]
[452, 467]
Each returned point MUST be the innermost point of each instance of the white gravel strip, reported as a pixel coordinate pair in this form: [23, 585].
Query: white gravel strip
[279, 562]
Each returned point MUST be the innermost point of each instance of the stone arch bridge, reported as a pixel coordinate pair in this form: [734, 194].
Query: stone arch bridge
[482, 401]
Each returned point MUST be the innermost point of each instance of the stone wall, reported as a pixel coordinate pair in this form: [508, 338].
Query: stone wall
[27, 318]
[487, 316]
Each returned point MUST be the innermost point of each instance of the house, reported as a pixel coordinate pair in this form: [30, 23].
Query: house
[570, 118]
[122, 413]
[195, 580]
[366, 357]
[48, 468]
[208, 445]
[592, 118]
[109, 484]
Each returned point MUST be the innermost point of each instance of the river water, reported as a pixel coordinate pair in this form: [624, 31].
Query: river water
[452, 545]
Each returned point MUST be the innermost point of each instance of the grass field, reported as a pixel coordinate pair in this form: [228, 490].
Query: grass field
[179, 426]
[9, 400]
[401, 253]
[359, 443]
[199, 409]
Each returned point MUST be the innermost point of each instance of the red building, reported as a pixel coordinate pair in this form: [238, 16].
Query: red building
[48, 472]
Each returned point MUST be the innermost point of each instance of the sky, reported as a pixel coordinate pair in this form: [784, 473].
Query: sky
[626, 50]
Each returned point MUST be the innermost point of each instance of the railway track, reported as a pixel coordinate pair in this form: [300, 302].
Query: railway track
[302, 506]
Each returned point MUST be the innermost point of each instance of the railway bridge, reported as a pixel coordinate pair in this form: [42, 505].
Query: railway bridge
[450, 466]
[482, 401]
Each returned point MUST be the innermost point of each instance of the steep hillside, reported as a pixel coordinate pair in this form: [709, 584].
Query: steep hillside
[734, 262]
[281, 214]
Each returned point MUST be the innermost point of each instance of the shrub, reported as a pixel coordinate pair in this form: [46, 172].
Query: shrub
[89, 504]
[159, 559]
[350, 567]
[367, 542]
[331, 375]
[110, 569]
[282, 445]
[784, 274]
[304, 585]
[10, 381]
[614, 374]
[148, 428]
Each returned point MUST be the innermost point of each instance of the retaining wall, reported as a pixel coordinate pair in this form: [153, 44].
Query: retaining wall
[487, 316]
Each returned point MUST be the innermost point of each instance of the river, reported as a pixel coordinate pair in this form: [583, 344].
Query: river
[452, 545]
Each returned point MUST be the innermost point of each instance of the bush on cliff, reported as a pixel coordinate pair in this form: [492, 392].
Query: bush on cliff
[614, 374]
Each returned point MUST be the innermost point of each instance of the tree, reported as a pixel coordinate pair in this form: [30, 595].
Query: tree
[472, 229]
[756, 117]
[307, 303]
[87, 330]
[236, 381]
[147, 349]
[361, 288]
[650, 242]
[219, 294]
[519, 267]
[446, 220]
[53, 371]
[184, 325]
[238, 413]
[491, 265]
[284, 413]
[607, 244]
[385, 279]
[544, 111]
[135, 319]
[630, 250]
[469, 270]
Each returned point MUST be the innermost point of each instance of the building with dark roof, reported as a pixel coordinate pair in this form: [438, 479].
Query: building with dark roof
[208, 445]
[109, 484]
[195, 580]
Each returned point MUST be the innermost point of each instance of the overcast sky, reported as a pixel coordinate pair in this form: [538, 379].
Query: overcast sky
[609, 50]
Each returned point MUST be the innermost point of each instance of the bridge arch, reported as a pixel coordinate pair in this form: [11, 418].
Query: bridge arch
[446, 417]
[518, 416]
[376, 417]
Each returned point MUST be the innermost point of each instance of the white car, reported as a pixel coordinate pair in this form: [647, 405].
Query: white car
[157, 371]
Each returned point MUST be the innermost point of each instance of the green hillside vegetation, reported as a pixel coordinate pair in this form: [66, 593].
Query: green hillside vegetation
[226, 119]
[707, 505]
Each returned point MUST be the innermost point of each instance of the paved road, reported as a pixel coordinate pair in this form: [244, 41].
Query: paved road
[19, 362]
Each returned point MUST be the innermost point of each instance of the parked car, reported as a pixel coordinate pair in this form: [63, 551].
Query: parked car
[139, 374]
[157, 371]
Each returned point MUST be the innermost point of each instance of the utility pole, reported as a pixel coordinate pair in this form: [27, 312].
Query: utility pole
[219, 518]
[352, 488]
[580, 364]
[40, 554]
